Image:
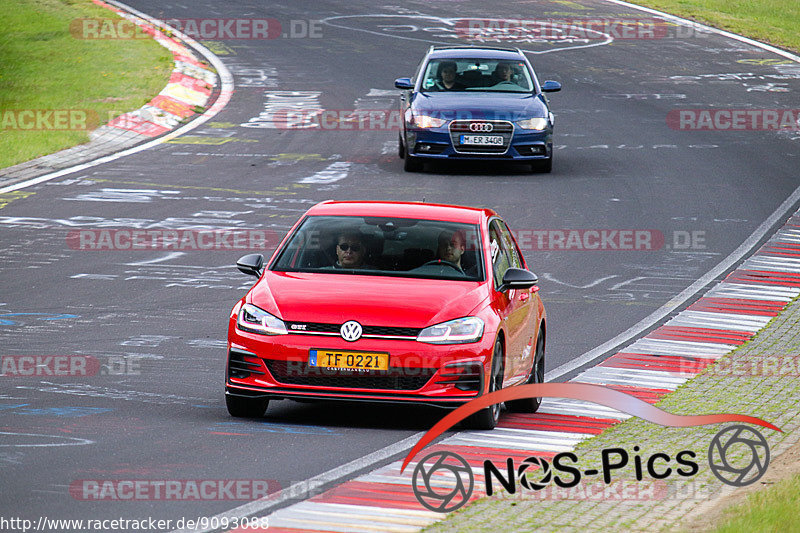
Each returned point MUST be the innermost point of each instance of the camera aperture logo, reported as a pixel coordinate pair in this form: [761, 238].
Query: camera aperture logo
[443, 482]
[751, 445]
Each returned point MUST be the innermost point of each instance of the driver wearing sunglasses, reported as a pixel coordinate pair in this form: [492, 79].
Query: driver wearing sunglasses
[350, 251]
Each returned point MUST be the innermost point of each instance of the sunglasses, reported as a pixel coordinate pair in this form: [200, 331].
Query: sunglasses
[344, 247]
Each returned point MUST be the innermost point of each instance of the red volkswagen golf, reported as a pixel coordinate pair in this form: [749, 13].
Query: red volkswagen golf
[388, 302]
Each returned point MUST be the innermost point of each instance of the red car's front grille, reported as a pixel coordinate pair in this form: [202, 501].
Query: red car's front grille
[368, 331]
[299, 373]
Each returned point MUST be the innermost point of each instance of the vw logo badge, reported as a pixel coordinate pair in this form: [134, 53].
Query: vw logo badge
[485, 127]
[351, 331]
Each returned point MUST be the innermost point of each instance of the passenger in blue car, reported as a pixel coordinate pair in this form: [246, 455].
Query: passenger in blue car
[447, 77]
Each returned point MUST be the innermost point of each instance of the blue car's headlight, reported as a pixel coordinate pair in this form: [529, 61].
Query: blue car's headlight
[256, 320]
[424, 121]
[458, 331]
[538, 123]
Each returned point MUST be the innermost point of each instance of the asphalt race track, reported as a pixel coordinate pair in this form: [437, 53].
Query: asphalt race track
[156, 320]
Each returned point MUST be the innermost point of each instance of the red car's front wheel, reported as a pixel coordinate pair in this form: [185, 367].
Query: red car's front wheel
[488, 417]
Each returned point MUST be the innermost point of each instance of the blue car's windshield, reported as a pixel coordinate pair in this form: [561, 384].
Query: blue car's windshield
[477, 75]
[385, 247]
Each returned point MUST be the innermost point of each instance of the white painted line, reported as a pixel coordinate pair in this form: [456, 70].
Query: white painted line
[515, 432]
[342, 517]
[381, 511]
[753, 292]
[668, 347]
[627, 382]
[704, 319]
[665, 381]
[565, 406]
[224, 97]
[521, 436]
[633, 374]
[772, 263]
[529, 446]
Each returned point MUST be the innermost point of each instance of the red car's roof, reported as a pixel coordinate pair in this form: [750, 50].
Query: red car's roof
[449, 213]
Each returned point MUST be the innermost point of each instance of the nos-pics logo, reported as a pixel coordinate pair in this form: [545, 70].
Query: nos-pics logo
[443, 481]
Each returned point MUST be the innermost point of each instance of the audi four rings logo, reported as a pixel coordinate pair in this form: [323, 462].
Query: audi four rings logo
[351, 330]
[481, 126]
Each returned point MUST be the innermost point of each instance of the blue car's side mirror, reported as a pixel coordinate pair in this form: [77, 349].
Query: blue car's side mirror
[403, 83]
[549, 86]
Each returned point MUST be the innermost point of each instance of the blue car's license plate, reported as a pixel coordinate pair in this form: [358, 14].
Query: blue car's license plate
[492, 140]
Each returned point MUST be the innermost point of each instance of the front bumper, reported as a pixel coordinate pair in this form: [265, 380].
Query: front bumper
[439, 143]
[277, 367]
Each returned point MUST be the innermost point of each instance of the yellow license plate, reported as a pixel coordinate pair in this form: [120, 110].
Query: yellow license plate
[349, 360]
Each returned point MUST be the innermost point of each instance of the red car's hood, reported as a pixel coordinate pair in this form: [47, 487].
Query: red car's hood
[371, 300]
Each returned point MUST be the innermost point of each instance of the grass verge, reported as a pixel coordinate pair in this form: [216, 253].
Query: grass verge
[773, 509]
[46, 67]
[770, 21]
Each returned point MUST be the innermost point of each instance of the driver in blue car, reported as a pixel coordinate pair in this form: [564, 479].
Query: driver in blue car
[503, 72]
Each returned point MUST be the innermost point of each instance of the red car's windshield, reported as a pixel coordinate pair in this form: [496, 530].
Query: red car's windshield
[384, 246]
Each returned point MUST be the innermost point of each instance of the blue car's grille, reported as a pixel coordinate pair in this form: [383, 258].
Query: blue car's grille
[493, 128]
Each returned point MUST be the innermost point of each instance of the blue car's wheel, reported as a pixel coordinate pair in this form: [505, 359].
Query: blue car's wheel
[412, 164]
[545, 166]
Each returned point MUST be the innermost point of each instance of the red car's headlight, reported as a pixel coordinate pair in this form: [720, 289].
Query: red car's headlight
[256, 320]
[458, 331]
